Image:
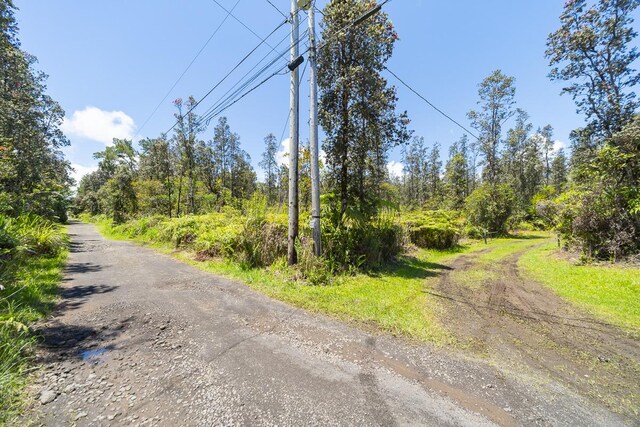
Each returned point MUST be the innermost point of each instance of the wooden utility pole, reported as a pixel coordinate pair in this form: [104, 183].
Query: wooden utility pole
[313, 136]
[294, 134]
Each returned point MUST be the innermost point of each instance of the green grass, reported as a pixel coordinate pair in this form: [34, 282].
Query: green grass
[505, 247]
[392, 299]
[611, 293]
[31, 284]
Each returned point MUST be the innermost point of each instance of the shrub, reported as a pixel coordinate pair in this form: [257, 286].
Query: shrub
[590, 221]
[316, 271]
[490, 206]
[181, 231]
[432, 229]
[263, 239]
[32, 234]
[359, 239]
[219, 242]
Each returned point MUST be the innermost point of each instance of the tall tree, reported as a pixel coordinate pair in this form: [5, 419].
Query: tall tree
[546, 136]
[156, 164]
[592, 51]
[270, 166]
[187, 129]
[416, 169]
[456, 177]
[226, 146]
[357, 107]
[496, 94]
[559, 171]
[118, 163]
[515, 158]
[434, 182]
[33, 173]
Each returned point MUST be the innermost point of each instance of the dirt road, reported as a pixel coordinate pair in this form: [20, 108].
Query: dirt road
[516, 322]
[141, 339]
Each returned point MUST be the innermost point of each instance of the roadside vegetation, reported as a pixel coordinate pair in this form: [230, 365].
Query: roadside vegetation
[195, 193]
[390, 297]
[610, 292]
[32, 254]
[34, 198]
[196, 190]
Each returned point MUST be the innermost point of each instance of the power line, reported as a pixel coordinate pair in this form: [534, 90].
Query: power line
[279, 11]
[245, 25]
[216, 110]
[187, 69]
[431, 105]
[234, 90]
[229, 73]
[249, 91]
[226, 100]
[254, 77]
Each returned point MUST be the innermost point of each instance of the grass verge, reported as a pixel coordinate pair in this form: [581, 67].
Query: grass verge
[611, 293]
[392, 299]
[30, 288]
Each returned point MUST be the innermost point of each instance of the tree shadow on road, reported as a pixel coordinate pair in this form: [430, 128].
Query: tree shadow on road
[81, 267]
[410, 267]
[76, 296]
[60, 341]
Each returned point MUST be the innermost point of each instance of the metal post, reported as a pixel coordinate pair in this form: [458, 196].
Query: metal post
[294, 131]
[313, 137]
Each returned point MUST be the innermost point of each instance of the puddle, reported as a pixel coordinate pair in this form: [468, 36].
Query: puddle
[95, 356]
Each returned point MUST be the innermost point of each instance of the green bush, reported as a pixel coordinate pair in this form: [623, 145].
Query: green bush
[30, 234]
[490, 206]
[592, 222]
[263, 238]
[357, 239]
[432, 229]
[219, 242]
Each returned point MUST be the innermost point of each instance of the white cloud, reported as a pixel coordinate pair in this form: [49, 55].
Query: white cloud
[396, 169]
[282, 156]
[99, 125]
[79, 171]
[557, 145]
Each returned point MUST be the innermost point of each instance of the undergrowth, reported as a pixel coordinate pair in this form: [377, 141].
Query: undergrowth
[32, 254]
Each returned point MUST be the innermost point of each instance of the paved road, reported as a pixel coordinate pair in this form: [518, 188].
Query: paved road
[142, 339]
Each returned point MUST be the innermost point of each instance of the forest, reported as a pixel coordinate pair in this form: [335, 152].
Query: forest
[494, 180]
[195, 188]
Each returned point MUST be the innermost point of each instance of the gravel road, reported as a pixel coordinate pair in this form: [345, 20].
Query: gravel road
[142, 339]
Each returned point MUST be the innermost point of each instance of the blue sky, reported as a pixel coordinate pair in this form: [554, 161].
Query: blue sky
[110, 64]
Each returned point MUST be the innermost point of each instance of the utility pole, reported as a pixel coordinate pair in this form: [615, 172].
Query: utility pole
[294, 134]
[313, 136]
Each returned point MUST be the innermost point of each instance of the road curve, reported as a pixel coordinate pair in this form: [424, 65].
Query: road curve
[142, 339]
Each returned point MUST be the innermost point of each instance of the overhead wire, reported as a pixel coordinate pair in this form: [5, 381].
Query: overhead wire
[225, 98]
[229, 73]
[278, 72]
[286, 18]
[155, 110]
[276, 8]
[431, 104]
[231, 100]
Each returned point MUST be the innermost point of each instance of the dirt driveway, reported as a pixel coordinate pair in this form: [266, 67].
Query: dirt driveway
[515, 322]
[141, 339]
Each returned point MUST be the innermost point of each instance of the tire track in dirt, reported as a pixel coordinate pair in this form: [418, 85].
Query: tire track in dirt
[514, 320]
